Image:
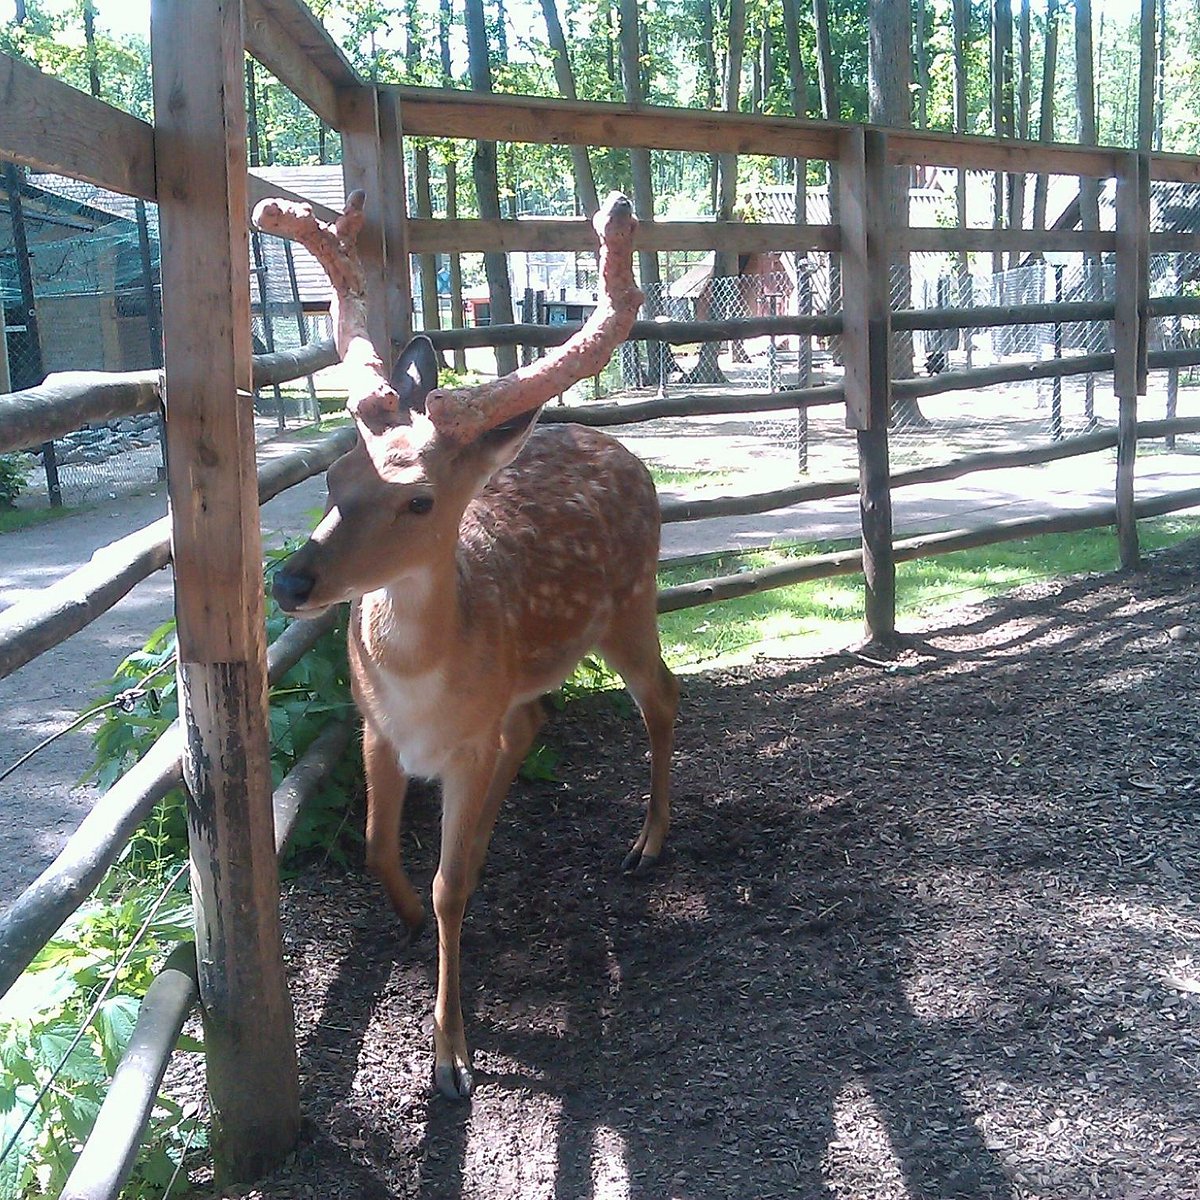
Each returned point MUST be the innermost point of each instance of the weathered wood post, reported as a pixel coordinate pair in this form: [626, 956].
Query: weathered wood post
[373, 161]
[866, 338]
[200, 153]
[1130, 330]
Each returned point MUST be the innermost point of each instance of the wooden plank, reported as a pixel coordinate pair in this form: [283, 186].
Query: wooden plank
[398, 292]
[432, 112]
[1130, 329]
[358, 119]
[921, 148]
[50, 126]
[292, 44]
[866, 263]
[1031, 241]
[863, 174]
[445, 112]
[469, 236]
[1177, 242]
[200, 153]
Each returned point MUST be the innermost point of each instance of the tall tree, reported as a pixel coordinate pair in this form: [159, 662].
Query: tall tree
[1089, 189]
[564, 76]
[445, 19]
[831, 110]
[639, 159]
[487, 185]
[422, 192]
[1016, 196]
[1041, 187]
[725, 262]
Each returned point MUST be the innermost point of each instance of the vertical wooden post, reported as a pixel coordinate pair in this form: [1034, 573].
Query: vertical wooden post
[1130, 329]
[373, 160]
[394, 214]
[200, 153]
[866, 337]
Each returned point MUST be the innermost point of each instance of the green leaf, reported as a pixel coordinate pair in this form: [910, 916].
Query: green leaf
[114, 1022]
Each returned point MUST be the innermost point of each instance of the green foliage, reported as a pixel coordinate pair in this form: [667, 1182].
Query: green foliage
[14, 472]
[90, 977]
[141, 703]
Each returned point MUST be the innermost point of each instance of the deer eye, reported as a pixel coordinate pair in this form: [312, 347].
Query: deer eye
[420, 505]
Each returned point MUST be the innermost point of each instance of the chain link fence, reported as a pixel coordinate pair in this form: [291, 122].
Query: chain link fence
[90, 300]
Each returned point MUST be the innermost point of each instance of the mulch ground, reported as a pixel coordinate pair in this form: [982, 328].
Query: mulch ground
[928, 928]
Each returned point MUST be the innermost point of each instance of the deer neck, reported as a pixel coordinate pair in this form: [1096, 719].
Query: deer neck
[414, 624]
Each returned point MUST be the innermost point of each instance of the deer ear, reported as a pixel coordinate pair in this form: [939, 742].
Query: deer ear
[415, 374]
[499, 445]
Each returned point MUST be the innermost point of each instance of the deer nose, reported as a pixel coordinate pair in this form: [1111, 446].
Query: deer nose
[291, 589]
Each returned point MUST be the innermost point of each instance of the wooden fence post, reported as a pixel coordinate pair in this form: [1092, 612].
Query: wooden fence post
[200, 155]
[1130, 330]
[866, 338]
[373, 160]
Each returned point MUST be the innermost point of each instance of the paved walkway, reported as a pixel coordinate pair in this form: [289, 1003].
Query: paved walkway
[43, 801]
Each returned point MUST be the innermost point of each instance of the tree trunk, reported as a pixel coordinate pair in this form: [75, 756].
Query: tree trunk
[445, 16]
[1146, 42]
[643, 181]
[487, 186]
[831, 111]
[89, 42]
[1016, 198]
[890, 98]
[725, 262]
[1089, 189]
[1002, 111]
[585, 180]
[1041, 185]
[965, 288]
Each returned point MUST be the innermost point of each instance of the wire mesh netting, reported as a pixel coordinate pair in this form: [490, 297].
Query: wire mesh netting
[91, 301]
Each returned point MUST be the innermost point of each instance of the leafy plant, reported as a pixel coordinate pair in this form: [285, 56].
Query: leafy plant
[64, 1026]
[14, 472]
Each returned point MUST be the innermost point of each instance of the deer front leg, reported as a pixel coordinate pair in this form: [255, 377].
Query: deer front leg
[465, 808]
[386, 787]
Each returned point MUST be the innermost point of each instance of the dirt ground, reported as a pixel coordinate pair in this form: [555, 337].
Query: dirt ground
[929, 928]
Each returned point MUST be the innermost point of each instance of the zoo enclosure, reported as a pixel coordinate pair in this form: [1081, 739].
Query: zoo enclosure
[214, 542]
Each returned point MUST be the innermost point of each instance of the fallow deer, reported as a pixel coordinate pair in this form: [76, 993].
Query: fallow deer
[483, 559]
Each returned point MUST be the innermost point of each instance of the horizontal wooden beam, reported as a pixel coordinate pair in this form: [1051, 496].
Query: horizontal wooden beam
[50, 126]
[470, 236]
[294, 46]
[443, 112]
[1031, 241]
[910, 147]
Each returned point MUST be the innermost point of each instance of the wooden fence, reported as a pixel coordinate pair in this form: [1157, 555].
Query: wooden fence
[192, 163]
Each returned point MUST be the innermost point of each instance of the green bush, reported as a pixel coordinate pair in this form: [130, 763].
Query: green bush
[14, 472]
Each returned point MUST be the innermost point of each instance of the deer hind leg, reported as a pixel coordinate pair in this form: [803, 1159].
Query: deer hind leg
[386, 787]
[633, 651]
[466, 798]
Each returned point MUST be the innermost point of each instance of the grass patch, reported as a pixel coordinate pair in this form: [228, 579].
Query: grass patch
[12, 519]
[831, 610]
[674, 477]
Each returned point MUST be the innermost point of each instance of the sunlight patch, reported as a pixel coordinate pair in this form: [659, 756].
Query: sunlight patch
[610, 1170]
[859, 1160]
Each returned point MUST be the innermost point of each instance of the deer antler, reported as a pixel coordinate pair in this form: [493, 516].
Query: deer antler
[462, 414]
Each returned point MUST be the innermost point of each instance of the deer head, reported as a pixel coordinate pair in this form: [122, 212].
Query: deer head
[424, 452]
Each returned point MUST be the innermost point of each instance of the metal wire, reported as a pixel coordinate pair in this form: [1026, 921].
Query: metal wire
[95, 1008]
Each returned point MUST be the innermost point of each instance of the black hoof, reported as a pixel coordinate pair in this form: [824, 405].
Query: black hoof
[453, 1081]
[637, 863]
